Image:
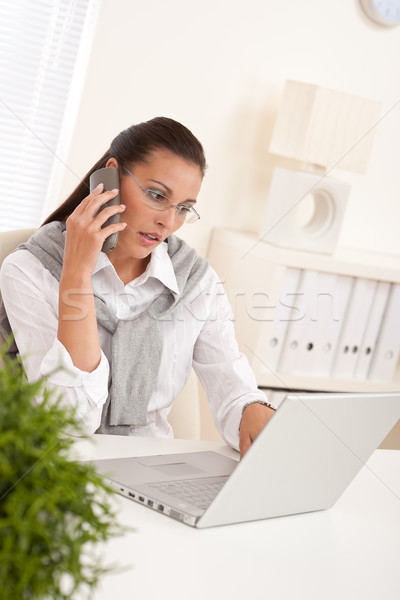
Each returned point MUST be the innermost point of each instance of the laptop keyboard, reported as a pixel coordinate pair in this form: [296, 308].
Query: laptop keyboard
[193, 491]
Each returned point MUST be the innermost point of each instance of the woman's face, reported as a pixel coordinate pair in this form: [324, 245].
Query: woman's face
[175, 178]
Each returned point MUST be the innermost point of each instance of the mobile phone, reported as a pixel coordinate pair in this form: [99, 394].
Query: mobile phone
[109, 177]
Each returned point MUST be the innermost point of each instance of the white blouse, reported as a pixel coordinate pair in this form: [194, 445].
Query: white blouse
[198, 333]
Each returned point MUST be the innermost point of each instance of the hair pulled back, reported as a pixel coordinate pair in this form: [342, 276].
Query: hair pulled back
[134, 145]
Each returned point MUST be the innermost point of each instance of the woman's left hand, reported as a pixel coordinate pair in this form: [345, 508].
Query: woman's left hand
[255, 417]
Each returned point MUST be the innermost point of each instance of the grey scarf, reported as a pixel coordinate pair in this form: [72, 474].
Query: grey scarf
[136, 343]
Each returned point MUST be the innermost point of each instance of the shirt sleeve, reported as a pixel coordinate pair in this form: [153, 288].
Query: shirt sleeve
[223, 370]
[30, 296]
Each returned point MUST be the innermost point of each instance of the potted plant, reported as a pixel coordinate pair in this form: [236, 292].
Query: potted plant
[53, 510]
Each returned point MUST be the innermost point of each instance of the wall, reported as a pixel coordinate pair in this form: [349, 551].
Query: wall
[220, 67]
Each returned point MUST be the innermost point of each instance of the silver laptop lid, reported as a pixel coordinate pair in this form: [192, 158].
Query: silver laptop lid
[306, 456]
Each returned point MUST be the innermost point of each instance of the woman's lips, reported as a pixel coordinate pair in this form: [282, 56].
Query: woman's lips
[149, 239]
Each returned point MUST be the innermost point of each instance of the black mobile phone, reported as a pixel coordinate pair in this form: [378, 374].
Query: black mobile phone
[109, 177]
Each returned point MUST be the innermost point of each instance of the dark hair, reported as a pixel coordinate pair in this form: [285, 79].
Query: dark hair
[134, 145]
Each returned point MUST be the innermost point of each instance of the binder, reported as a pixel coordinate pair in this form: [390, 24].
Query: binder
[355, 322]
[371, 333]
[319, 297]
[283, 314]
[302, 307]
[386, 354]
[325, 324]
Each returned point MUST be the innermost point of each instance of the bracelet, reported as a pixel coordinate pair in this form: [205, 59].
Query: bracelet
[263, 402]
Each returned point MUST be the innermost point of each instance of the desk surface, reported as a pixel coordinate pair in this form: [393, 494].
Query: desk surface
[348, 552]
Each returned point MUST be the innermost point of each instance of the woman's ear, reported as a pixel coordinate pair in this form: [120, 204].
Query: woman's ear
[112, 162]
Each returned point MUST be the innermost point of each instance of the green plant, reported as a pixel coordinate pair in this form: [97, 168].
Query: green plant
[53, 510]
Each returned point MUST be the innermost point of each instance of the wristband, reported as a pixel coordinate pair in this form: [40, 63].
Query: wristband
[263, 402]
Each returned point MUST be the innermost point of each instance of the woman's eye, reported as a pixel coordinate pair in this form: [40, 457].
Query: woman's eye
[157, 196]
[183, 208]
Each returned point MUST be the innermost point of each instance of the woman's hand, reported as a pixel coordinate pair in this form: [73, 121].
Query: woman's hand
[85, 236]
[255, 417]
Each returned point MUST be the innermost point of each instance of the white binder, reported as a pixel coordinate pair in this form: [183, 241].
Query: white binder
[352, 334]
[371, 333]
[333, 298]
[283, 313]
[386, 354]
[303, 306]
[310, 358]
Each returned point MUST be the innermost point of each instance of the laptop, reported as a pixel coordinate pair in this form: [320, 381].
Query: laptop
[303, 460]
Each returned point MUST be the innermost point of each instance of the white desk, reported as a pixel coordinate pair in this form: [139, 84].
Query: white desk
[350, 552]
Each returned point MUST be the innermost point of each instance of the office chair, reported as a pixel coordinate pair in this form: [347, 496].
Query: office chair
[9, 240]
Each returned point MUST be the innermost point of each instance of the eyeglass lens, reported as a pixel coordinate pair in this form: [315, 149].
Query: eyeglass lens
[157, 201]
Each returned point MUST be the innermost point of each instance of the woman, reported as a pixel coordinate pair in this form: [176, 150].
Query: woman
[126, 327]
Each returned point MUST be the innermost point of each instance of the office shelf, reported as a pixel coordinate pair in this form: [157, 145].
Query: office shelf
[253, 273]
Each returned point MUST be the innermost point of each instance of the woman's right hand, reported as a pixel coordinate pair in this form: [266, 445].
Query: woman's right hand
[85, 236]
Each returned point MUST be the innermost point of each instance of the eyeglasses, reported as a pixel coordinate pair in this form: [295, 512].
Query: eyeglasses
[158, 201]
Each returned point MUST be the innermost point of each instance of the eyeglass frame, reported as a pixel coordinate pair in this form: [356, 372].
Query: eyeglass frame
[191, 210]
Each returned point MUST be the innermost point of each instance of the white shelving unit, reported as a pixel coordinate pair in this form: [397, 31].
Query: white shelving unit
[253, 273]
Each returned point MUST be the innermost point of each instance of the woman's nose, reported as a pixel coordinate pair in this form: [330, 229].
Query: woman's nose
[167, 217]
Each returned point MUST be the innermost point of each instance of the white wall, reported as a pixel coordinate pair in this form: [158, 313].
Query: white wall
[219, 66]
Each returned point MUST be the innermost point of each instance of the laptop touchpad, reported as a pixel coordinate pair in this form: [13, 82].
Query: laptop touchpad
[178, 468]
